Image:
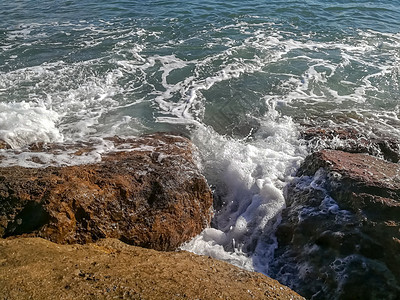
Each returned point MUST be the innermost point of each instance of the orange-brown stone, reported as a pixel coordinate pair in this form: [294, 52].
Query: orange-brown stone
[148, 192]
[33, 268]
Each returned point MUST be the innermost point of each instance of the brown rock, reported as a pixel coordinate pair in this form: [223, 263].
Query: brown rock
[351, 140]
[148, 192]
[4, 145]
[341, 227]
[34, 268]
[355, 173]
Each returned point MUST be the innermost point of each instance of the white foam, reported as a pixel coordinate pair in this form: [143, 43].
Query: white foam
[57, 106]
[325, 62]
[25, 123]
[249, 177]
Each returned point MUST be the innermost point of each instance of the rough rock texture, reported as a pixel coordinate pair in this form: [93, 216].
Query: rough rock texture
[4, 145]
[353, 176]
[351, 140]
[148, 192]
[340, 234]
[34, 268]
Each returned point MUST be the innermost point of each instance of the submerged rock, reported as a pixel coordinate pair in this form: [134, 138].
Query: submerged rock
[38, 269]
[340, 234]
[147, 192]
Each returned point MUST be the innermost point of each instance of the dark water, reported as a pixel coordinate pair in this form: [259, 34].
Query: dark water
[238, 77]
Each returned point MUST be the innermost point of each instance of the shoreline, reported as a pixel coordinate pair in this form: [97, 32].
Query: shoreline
[351, 146]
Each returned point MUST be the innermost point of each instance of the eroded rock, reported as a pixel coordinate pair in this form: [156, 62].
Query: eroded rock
[351, 140]
[340, 234]
[34, 268]
[147, 192]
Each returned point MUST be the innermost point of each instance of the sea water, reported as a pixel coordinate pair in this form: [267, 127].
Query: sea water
[240, 78]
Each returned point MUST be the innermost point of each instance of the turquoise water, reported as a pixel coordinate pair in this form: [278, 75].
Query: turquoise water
[214, 61]
[240, 78]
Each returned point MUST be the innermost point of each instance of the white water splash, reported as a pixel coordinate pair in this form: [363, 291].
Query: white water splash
[249, 177]
[26, 123]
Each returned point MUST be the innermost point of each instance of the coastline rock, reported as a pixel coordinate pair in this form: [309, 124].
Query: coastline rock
[147, 192]
[4, 145]
[340, 234]
[33, 268]
[351, 140]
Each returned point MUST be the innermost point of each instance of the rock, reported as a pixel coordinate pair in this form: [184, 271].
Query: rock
[340, 234]
[351, 140]
[4, 145]
[38, 269]
[355, 174]
[148, 192]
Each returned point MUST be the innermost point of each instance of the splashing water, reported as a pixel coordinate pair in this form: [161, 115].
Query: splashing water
[239, 78]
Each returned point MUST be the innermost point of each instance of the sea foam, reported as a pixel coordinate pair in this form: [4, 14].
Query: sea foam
[25, 123]
[249, 177]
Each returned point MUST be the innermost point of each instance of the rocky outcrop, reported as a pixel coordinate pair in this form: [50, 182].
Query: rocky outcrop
[340, 234]
[34, 268]
[351, 140]
[147, 192]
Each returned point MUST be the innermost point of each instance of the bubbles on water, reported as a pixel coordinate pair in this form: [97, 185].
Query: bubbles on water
[249, 177]
[26, 123]
[323, 76]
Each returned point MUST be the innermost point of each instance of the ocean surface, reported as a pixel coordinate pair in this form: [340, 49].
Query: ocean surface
[240, 78]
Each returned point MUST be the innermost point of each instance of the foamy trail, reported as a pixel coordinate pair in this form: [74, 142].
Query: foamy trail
[248, 177]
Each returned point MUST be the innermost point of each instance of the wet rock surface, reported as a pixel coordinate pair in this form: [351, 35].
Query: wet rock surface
[351, 140]
[340, 234]
[33, 268]
[147, 192]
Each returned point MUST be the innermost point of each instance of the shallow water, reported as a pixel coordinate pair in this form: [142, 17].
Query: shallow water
[239, 77]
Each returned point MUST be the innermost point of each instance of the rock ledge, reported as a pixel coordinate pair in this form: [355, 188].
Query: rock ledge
[38, 269]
